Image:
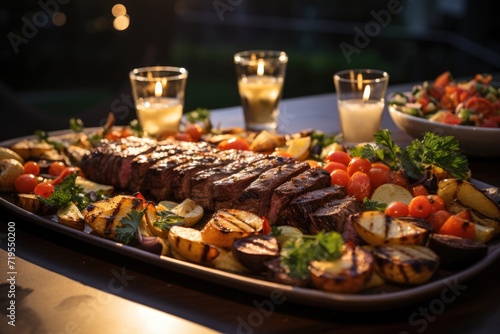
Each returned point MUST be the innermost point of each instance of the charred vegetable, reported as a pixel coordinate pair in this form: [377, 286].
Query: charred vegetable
[253, 251]
[455, 251]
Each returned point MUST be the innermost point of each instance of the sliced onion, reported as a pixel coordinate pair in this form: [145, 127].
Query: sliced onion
[150, 244]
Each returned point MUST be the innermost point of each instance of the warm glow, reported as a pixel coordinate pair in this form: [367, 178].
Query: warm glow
[59, 19]
[158, 89]
[260, 67]
[118, 10]
[121, 22]
[360, 81]
[366, 93]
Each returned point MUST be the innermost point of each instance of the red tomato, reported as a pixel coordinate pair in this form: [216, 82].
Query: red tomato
[443, 79]
[25, 183]
[399, 179]
[358, 164]
[332, 165]
[44, 189]
[381, 166]
[379, 176]
[480, 105]
[359, 186]
[419, 190]
[194, 131]
[181, 136]
[451, 118]
[438, 218]
[340, 178]
[56, 168]
[235, 143]
[437, 203]
[420, 207]
[339, 156]
[31, 167]
[458, 227]
[397, 209]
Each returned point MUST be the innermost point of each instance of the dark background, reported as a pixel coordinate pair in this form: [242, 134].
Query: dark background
[80, 68]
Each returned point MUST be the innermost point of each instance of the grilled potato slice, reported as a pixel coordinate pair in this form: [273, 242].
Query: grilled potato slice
[405, 264]
[469, 195]
[31, 203]
[376, 228]
[104, 216]
[70, 215]
[188, 243]
[227, 225]
[349, 274]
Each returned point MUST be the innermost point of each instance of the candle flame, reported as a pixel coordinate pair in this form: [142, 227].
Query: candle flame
[158, 89]
[359, 79]
[366, 93]
[260, 67]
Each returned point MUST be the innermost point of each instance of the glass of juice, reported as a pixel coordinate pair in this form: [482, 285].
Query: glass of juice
[260, 75]
[159, 98]
[360, 102]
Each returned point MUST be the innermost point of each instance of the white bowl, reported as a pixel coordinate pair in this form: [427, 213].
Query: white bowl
[474, 141]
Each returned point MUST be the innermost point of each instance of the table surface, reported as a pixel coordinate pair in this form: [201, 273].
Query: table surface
[64, 285]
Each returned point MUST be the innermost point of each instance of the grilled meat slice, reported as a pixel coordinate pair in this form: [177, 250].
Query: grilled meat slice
[231, 187]
[333, 215]
[311, 179]
[111, 161]
[201, 182]
[257, 196]
[163, 150]
[298, 211]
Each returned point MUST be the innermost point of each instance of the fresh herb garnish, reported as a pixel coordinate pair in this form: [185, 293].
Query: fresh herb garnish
[64, 193]
[432, 150]
[320, 142]
[44, 136]
[297, 253]
[198, 115]
[76, 124]
[275, 231]
[167, 220]
[129, 225]
[369, 205]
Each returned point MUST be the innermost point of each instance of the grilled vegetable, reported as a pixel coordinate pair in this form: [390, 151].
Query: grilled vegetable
[104, 216]
[349, 274]
[464, 228]
[7, 153]
[31, 148]
[226, 261]
[455, 251]
[388, 192]
[10, 169]
[89, 186]
[189, 211]
[254, 250]
[227, 225]
[456, 207]
[376, 228]
[71, 216]
[405, 264]
[188, 243]
[469, 195]
[31, 203]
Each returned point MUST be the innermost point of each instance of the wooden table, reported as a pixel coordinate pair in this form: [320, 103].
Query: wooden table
[64, 285]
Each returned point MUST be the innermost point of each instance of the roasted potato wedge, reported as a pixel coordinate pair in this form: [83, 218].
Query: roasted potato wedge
[104, 216]
[405, 264]
[31, 203]
[70, 215]
[349, 274]
[376, 228]
[188, 243]
[469, 195]
[31, 148]
[227, 225]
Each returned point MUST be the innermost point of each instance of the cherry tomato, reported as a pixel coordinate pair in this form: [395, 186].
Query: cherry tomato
[25, 183]
[358, 164]
[332, 165]
[458, 227]
[379, 176]
[419, 190]
[443, 79]
[438, 218]
[339, 156]
[340, 177]
[381, 166]
[399, 179]
[56, 168]
[182, 136]
[44, 189]
[397, 209]
[194, 130]
[437, 203]
[359, 186]
[420, 207]
[480, 105]
[31, 167]
[235, 143]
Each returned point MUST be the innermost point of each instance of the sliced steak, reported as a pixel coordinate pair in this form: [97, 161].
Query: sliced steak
[311, 179]
[298, 211]
[201, 182]
[349, 233]
[231, 187]
[111, 161]
[257, 196]
[333, 215]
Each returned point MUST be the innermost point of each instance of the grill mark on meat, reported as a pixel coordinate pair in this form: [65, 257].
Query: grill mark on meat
[334, 215]
[257, 196]
[311, 179]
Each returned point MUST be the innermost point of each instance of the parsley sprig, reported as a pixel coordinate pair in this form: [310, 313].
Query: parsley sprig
[432, 150]
[297, 253]
[167, 219]
[128, 227]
